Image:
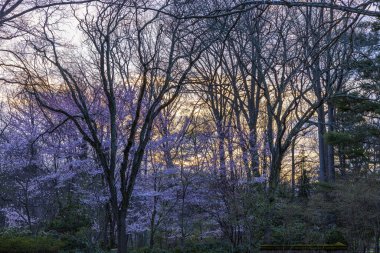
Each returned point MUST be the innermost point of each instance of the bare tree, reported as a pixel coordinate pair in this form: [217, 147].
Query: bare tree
[135, 65]
[227, 8]
[13, 9]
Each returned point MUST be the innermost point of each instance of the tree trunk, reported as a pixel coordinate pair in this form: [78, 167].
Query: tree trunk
[242, 143]
[293, 168]
[230, 149]
[254, 154]
[221, 152]
[153, 219]
[275, 169]
[321, 145]
[122, 232]
[111, 222]
[152, 230]
[330, 148]
[183, 222]
[320, 124]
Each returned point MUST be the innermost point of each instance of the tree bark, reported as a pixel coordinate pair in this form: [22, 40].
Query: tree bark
[293, 168]
[377, 242]
[321, 145]
[122, 232]
[330, 148]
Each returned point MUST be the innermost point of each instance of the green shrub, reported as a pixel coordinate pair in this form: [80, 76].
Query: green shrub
[334, 236]
[30, 244]
[335, 246]
[148, 250]
[72, 225]
[205, 247]
[70, 219]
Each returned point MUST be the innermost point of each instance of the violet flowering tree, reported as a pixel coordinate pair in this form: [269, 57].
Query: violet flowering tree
[160, 188]
[132, 64]
[40, 173]
[20, 162]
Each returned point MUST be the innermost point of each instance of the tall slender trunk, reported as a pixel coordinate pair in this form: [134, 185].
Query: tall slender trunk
[152, 229]
[321, 145]
[242, 142]
[153, 222]
[254, 156]
[183, 236]
[231, 158]
[245, 160]
[316, 72]
[183, 198]
[112, 223]
[330, 148]
[293, 167]
[221, 151]
[122, 232]
[275, 169]
[254, 101]
[377, 242]
[330, 106]
[27, 208]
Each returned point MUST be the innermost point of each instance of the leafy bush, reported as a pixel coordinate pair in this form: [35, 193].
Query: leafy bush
[72, 225]
[209, 247]
[335, 236]
[205, 247]
[30, 244]
[147, 250]
[70, 219]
